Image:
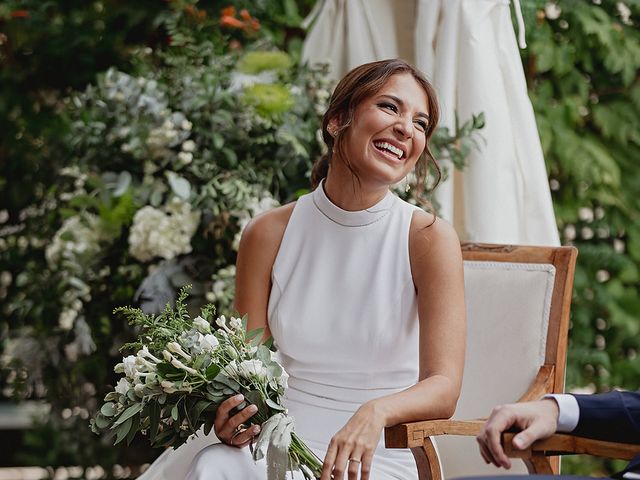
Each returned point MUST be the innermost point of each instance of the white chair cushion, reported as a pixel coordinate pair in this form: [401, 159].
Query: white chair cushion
[508, 308]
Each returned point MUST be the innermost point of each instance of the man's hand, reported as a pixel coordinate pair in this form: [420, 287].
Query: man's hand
[536, 419]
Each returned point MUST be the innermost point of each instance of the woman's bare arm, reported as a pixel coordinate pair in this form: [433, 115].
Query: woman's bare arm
[258, 249]
[436, 265]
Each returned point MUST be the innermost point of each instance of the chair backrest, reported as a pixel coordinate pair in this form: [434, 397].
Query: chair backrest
[518, 300]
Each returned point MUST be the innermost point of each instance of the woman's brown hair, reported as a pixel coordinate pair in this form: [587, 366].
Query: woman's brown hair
[359, 84]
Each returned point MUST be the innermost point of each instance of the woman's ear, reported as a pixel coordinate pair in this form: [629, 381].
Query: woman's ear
[333, 126]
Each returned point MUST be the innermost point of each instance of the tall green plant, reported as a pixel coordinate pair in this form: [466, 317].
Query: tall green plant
[582, 66]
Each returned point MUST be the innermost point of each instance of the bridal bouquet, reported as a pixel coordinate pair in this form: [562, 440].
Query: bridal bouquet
[181, 373]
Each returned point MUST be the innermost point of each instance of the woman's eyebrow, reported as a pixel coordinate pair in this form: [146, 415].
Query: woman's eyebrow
[402, 104]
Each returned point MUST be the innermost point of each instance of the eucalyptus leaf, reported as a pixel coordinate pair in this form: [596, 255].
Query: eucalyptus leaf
[108, 409]
[128, 413]
[123, 430]
[179, 185]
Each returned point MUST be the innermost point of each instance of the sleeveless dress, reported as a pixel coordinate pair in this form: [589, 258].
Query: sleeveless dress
[343, 314]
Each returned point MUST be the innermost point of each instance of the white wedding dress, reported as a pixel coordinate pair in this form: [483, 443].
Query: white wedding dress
[343, 314]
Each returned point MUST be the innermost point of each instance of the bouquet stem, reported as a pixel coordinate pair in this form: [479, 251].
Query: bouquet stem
[306, 456]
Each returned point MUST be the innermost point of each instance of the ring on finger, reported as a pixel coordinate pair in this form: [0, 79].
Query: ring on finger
[354, 460]
[237, 432]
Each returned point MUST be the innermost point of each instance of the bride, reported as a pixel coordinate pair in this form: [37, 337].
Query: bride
[361, 292]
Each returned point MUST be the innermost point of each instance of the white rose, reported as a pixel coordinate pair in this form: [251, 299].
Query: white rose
[123, 386]
[252, 368]
[130, 367]
[231, 369]
[201, 325]
[209, 342]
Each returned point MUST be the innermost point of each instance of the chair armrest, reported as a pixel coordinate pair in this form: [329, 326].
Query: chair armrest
[541, 385]
[410, 435]
[562, 443]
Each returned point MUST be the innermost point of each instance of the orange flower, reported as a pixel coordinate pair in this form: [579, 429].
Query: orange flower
[244, 14]
[232, 22]
[252, 25]
[190, 10]
[20, 14]
[202, 14]
[229, 11]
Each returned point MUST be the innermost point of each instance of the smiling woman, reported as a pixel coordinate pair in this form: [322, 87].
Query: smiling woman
[361, 292]
[412, 113]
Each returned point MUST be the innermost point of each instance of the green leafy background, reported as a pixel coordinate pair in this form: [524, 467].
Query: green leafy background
[62, 156]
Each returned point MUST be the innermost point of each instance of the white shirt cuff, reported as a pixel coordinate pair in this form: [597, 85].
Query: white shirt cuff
[569, 412]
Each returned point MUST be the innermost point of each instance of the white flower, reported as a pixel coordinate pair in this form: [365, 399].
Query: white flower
[570, 232]
[139, 389]
[252, 368]
[144, 364]
[603, 276]
[167, 386]
[130, 366]
[185, 157]
[145, 353]
[552, 11]
[624, 12]
[209, 343]
[175, 347]
[186, 125]
[123, 386]
[66, 318]
[78, 237]
[178, 364]
[5, 278]
[586, 233]
[231, 369]
[235, 323]
[163, 233]
[189, 146]
[201, 325]
[585, 214]
[221, 321]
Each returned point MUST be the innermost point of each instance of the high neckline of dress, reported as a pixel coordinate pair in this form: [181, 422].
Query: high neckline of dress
[346, 218]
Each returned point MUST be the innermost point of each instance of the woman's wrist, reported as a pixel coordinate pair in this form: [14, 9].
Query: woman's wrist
[381, 410]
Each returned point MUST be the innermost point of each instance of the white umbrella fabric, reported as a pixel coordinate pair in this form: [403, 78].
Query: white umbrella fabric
[469, 49]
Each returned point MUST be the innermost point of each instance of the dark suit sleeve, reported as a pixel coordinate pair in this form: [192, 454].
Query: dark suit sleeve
[613, 416]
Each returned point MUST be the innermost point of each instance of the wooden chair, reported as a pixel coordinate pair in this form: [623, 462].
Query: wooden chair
[535, 457]
[518, 300]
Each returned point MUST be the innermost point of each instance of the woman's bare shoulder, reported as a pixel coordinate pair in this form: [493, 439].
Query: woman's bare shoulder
[265, 231]
[431, 234]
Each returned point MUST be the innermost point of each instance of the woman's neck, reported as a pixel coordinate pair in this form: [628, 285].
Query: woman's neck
[346, 192]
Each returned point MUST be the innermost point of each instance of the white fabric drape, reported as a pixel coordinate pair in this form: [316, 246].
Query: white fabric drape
[469, 49]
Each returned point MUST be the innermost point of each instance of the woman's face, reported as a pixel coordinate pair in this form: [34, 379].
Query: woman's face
[387, 135]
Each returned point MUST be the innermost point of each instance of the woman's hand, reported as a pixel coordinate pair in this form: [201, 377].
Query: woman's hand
[228, 426]
[351, 449]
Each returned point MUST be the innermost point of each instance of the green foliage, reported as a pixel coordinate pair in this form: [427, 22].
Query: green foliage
[582, 70]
